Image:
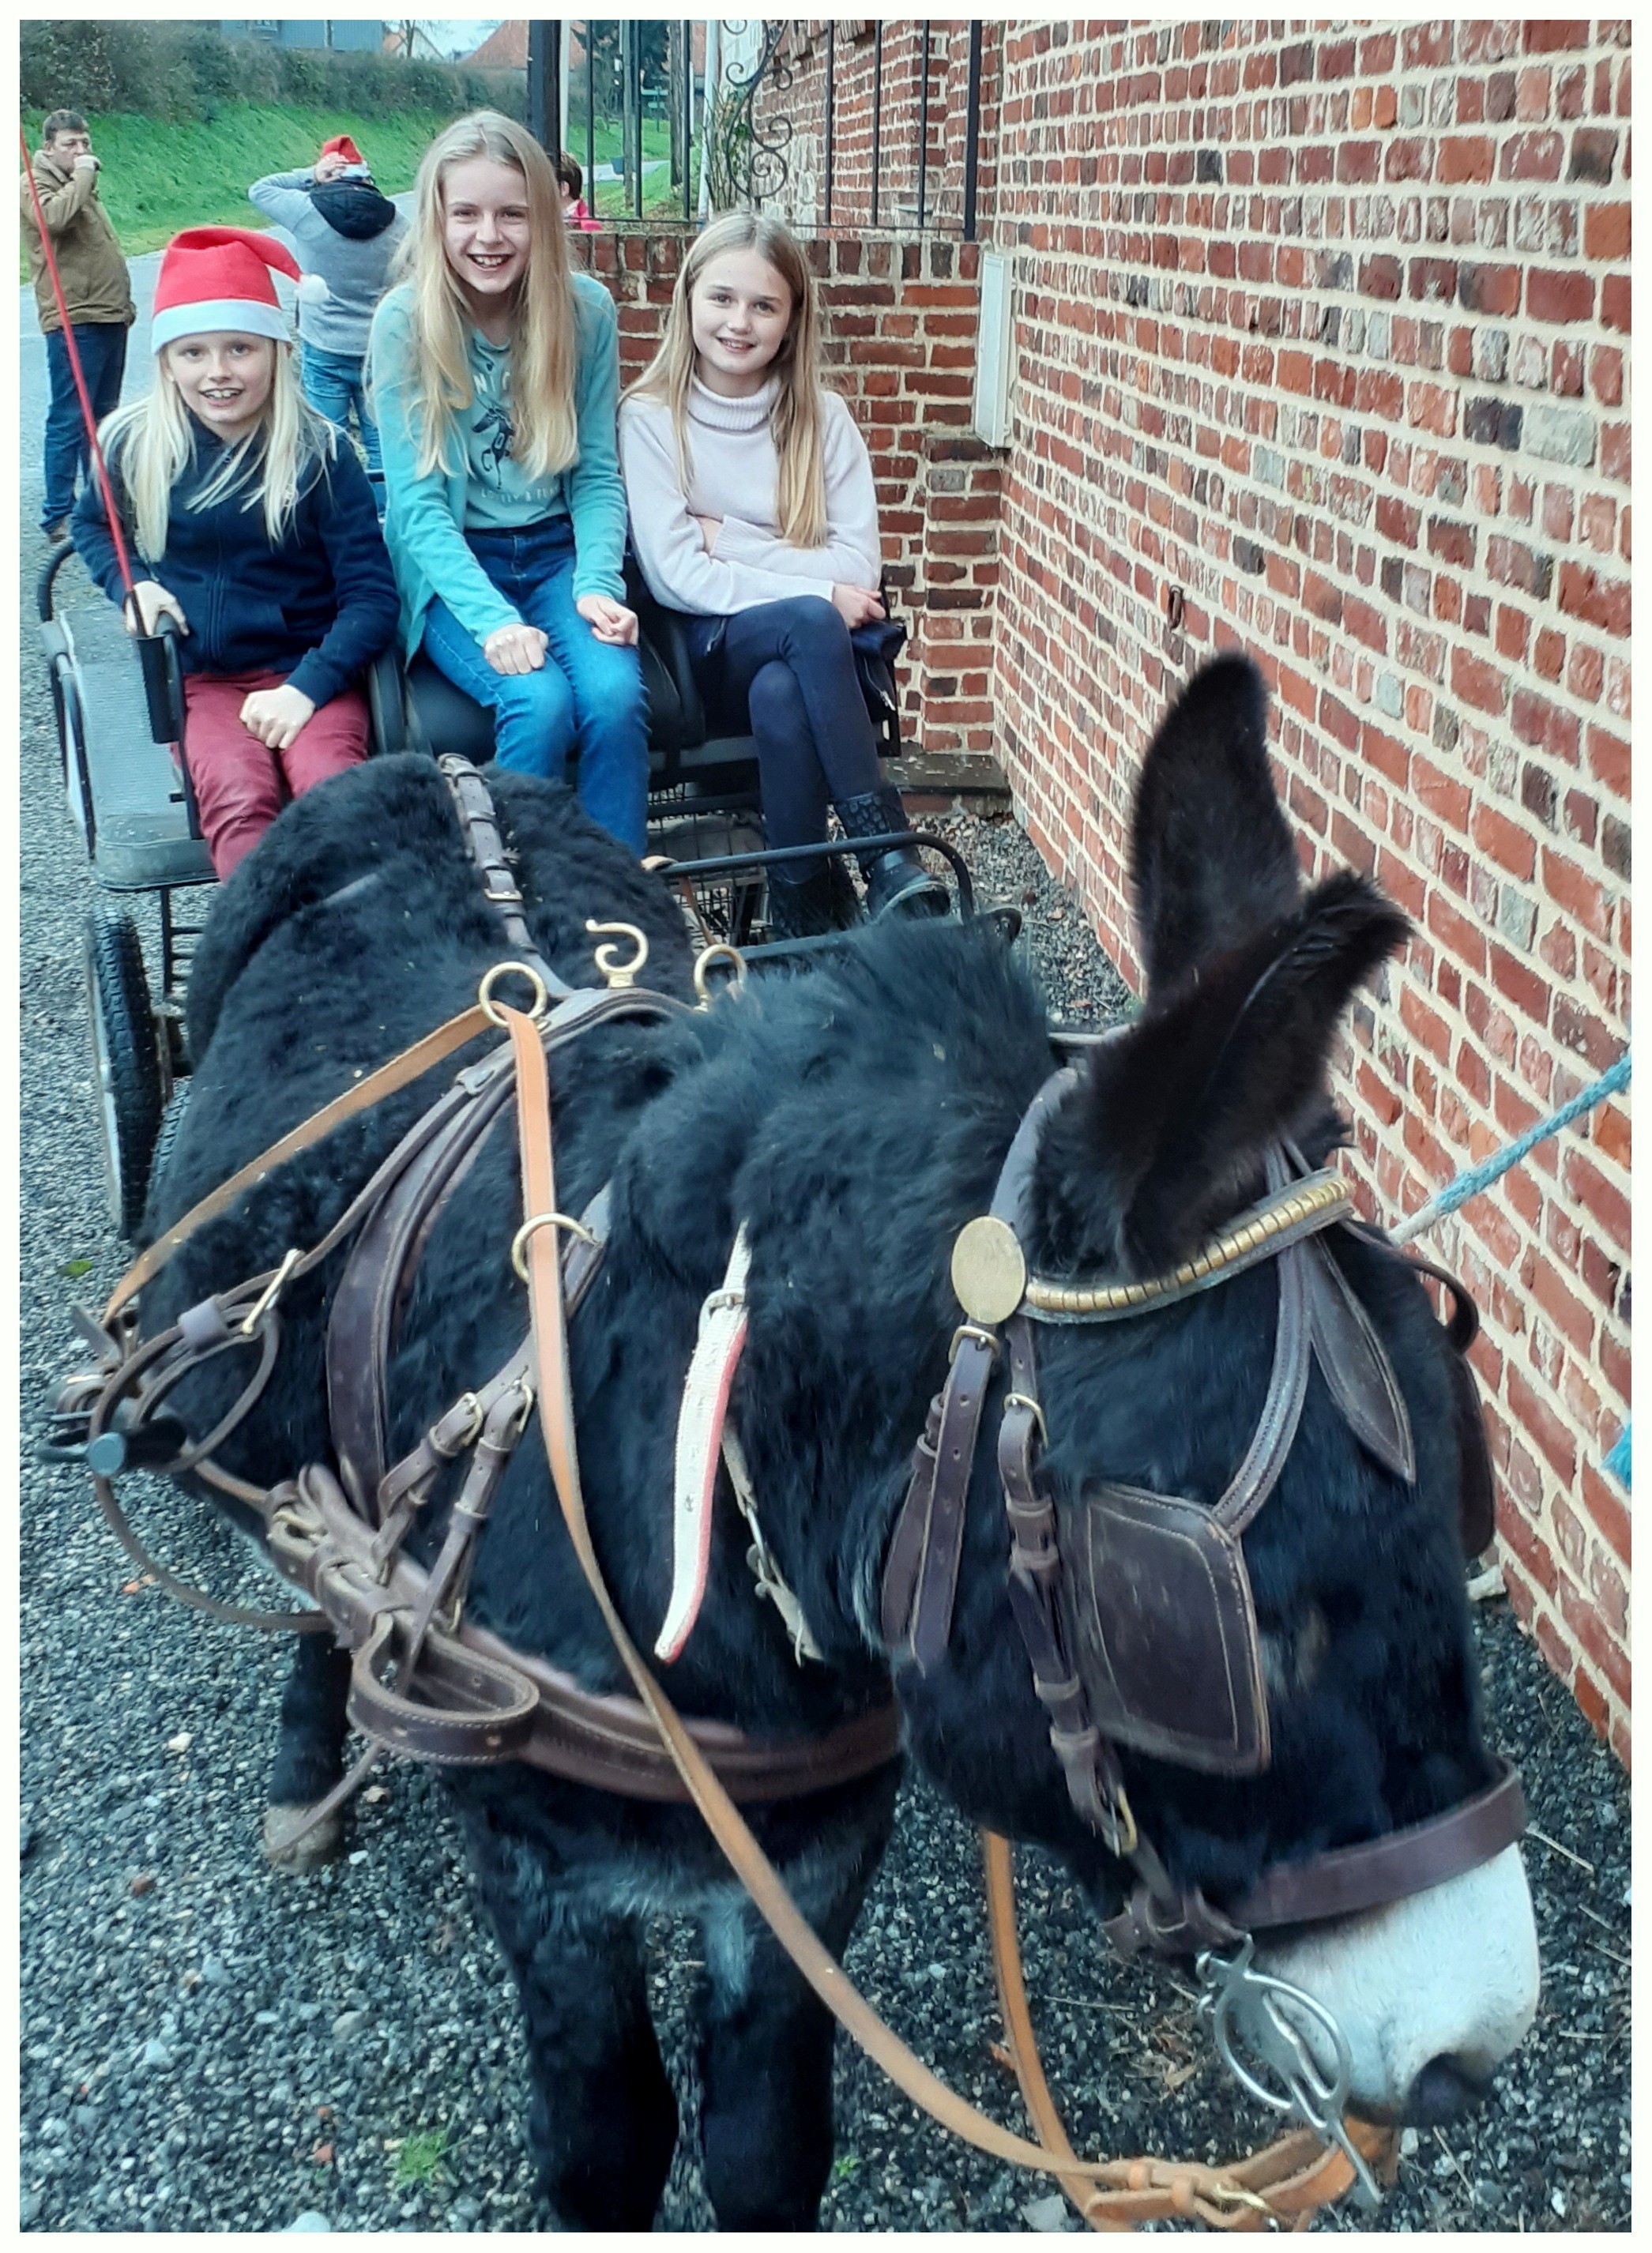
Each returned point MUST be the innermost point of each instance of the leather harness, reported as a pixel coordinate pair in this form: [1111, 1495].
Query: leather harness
[427, 1683]
[1181, 1679]
[424, 1681]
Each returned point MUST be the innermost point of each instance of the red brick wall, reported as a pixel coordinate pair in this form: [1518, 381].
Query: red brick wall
[1321, 342]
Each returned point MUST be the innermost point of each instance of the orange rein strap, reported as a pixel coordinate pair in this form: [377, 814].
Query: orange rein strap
[412, 1064]
[1211, 2192]
[1281, 2185]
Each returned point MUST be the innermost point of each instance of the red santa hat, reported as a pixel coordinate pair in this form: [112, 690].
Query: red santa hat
[355, 166]
[224, 277]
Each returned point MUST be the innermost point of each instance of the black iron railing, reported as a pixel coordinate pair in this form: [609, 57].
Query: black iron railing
[657, 142]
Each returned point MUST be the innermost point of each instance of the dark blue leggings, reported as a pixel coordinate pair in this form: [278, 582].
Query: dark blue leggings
[788, 669]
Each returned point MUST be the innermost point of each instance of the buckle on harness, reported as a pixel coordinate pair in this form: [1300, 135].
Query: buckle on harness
[1256, 2023]
[978, 1336]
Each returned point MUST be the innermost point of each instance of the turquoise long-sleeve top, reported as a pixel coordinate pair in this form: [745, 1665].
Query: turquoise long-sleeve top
[426, 518]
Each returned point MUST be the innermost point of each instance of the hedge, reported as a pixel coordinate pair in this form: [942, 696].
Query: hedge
[177, 71]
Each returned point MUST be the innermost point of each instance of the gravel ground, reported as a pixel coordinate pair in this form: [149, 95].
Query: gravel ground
[207, 2047]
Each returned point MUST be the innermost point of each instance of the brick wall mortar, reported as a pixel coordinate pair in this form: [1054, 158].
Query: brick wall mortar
[1403, 483]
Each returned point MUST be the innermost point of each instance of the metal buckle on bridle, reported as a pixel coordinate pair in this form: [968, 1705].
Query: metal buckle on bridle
[1026, 1400]
[973, 1330]
[1253, 2035]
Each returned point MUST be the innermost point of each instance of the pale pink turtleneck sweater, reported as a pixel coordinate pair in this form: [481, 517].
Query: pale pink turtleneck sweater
[732, 472]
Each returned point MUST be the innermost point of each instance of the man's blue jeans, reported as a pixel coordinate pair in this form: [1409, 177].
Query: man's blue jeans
[588, 692]
[332, 384]
[102, 346]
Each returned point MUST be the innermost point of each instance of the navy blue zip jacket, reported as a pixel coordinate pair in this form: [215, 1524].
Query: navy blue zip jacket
[318, 607]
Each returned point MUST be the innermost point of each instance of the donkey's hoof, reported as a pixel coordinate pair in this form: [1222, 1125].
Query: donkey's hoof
[296, 1857]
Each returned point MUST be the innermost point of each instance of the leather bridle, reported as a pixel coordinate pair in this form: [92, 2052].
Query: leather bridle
[1102, 1680]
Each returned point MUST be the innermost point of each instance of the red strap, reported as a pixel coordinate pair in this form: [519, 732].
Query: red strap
[87, 416]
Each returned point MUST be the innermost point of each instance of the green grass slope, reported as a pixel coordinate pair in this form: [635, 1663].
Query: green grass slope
[158, 178]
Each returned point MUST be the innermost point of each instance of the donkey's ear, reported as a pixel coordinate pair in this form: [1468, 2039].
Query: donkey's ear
[1211, 858]
[1163, 1139]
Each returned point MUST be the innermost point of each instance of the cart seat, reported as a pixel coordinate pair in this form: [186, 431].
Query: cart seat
[143, 827]
[442, 718]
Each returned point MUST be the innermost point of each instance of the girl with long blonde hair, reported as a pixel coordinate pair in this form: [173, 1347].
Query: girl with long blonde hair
[753, 508]
[258, 531]
[494, 371]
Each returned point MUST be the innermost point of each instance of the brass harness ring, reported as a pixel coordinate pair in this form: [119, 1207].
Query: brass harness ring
[485, 991]
[719, 952]
[519, 1242]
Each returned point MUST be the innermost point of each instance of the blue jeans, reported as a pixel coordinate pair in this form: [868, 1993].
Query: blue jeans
[102, 346]
[332, 384]
[787, 669]
[588, 692]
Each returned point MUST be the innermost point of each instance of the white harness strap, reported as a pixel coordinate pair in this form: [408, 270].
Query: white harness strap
[699, 1423]
[704, 1432]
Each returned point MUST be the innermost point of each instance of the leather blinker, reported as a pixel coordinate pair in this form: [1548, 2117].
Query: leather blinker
[1167, 1644]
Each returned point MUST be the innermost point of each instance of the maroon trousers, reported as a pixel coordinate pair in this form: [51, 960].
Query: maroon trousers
[240, 785]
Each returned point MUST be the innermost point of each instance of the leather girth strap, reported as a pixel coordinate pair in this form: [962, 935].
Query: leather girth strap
[723, 1819]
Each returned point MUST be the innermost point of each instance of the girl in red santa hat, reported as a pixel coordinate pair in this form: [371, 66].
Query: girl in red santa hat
[259, 534]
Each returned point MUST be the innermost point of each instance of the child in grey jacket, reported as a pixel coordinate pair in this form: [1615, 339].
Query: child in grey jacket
[348, 232]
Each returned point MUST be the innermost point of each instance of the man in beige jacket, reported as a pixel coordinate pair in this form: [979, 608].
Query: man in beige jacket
[96, 289]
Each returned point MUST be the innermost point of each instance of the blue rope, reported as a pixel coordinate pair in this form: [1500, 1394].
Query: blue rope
[1477, 1178]
[1618, 1461]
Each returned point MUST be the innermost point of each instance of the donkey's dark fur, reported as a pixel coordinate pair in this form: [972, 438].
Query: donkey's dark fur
[854, 1117]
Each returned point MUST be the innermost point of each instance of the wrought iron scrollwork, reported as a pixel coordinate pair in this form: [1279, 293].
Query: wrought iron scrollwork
[747, 157]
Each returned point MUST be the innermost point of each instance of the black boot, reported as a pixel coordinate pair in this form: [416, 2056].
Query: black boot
[897, 881]
[800, 907]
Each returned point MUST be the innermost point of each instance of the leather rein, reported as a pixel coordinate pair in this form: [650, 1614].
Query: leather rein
[427, 1683]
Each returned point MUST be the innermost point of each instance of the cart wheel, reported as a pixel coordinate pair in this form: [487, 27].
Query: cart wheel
[171, 1120]
[126, 1061]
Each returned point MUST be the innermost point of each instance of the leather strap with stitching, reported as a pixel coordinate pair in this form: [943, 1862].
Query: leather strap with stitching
[401, 1072]
[479, 821]
[745, 1856]
[1285, 2182]
[920, 1570]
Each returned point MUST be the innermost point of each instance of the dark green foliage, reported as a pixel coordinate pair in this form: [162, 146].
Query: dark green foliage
[179, 71]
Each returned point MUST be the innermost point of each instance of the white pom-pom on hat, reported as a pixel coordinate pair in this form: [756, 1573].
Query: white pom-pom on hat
[312, 290]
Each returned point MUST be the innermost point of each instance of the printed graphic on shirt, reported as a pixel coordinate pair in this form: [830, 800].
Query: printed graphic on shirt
[493, 432]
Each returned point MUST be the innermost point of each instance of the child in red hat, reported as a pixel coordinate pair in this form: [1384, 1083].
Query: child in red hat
[259, 534]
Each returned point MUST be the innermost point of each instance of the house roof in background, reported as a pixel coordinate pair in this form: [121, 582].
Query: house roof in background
[504, 48]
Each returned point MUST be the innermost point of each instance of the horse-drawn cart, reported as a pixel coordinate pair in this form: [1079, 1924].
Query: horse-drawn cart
[119, 725]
